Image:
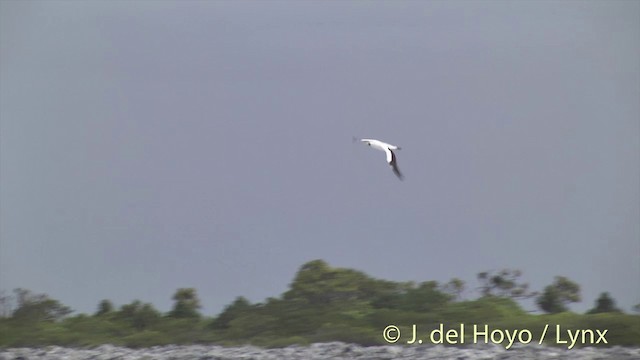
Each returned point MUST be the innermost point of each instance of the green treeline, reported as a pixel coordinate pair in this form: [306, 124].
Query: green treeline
[322, 304]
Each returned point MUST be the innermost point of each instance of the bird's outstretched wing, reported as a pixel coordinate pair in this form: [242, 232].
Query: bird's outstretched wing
[391, 159]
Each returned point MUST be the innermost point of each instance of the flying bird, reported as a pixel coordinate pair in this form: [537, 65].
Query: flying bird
[388, 149]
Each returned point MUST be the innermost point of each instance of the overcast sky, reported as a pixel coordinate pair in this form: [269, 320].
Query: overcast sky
[152, 145]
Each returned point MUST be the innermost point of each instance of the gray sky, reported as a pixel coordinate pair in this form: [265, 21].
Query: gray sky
[147, 146]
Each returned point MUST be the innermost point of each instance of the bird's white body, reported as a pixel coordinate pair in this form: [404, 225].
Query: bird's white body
[388, 149]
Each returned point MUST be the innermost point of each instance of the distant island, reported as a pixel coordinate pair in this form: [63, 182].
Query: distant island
[327, 304]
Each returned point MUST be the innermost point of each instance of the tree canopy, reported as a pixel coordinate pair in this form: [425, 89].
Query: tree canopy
[37, 307]
[323, 303]
[186, 304]
[557, 296]
[604, 304]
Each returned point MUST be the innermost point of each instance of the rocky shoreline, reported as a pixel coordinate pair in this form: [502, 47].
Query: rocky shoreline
[334, 350]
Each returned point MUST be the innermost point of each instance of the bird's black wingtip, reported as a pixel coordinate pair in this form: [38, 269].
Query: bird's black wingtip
[398, 174]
